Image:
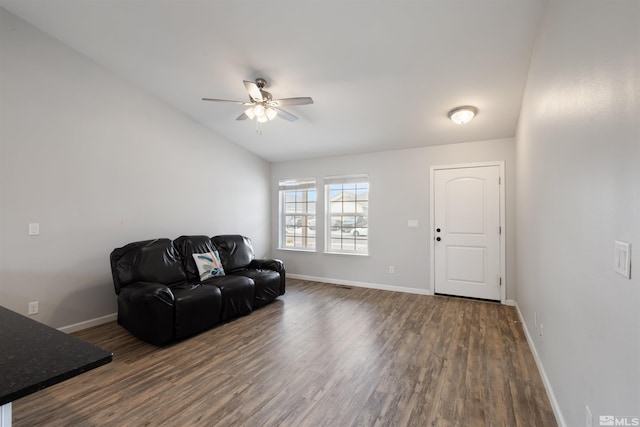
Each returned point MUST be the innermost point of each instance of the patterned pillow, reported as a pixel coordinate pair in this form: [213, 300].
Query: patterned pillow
[208, 264]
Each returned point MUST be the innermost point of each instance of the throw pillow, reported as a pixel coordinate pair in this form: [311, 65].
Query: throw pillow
[208, 264]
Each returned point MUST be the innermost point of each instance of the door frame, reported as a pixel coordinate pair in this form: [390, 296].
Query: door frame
[432, 263]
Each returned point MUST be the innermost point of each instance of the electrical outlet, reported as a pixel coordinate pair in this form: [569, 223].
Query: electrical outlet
[588, 418]
[392, 269]
[34, 307]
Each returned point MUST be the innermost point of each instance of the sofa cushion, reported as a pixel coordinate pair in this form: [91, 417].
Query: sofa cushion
[208, 264]
[237, 294]
[236, 251]
[267, 285]
[155, 261]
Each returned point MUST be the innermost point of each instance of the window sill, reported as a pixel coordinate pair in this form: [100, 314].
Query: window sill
[346, 253]
[297, 250]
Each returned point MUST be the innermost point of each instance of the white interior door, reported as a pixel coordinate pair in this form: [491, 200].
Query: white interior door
[467, 232]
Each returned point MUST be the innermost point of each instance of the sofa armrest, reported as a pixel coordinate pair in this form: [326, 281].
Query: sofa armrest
[271, 264]
[267, 264]
[147, 310]
[147, 292]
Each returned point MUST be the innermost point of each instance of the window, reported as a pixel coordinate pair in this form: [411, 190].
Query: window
[298, 214]
[347, 214]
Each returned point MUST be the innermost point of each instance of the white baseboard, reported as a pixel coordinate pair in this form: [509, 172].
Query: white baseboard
[543, 374]
[510, 302]
[361, 284]
[89, 323]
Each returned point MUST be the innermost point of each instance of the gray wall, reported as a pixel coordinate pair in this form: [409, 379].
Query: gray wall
[98, 164]
[399, 182]
[578, 190]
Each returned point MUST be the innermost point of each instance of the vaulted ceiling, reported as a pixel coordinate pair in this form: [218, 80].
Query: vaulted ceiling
[383, 73]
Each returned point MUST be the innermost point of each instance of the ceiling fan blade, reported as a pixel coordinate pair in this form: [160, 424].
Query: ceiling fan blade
[242, 116]
[254, 91]
[291, 101]
[287, 116]
[227, 100]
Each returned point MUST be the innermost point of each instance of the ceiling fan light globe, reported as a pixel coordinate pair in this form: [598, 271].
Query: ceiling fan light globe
[262, 119]
[271, 113]
[249, 112]
[258, 110]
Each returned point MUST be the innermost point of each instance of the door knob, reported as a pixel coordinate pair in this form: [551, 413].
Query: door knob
[437, 230]
[438, 239]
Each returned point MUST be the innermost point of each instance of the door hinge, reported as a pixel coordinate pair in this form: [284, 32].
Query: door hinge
[500, 280]
[500, 229]
[499, 180]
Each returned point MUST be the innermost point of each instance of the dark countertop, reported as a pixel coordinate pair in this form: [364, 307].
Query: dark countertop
[34, 356]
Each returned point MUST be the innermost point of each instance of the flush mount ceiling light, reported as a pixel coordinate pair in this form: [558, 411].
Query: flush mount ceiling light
[462, 115]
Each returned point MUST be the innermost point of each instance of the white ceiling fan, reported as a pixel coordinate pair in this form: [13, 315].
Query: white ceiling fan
[261, 104]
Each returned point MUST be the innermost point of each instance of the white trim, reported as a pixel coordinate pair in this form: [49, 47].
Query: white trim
[297, 184]
[312, 251]
[503, 257]
[361, 284]
[88, 323]
[5, 415]
[543, 374]
[346, 179]
[347, 253]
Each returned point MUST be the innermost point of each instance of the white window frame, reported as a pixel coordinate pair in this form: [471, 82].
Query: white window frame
[297, 184]
[342, 180]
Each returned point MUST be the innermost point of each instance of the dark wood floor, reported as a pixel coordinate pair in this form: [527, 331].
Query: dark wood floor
[321, 355]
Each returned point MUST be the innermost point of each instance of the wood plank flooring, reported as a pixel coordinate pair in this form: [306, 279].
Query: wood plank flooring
[321, 355]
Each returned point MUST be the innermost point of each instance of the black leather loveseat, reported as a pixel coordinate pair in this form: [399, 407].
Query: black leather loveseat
[164, 294]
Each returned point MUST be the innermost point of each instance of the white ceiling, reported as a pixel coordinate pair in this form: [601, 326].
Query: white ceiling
[383, 74]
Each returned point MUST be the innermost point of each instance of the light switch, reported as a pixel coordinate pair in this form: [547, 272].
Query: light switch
[34, 229]
[412, 223]
[622, 259]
